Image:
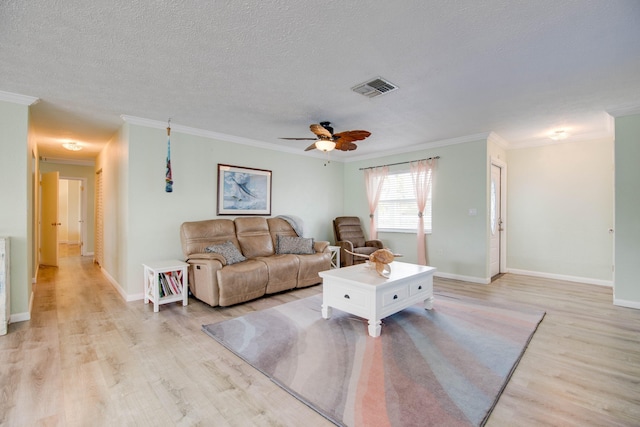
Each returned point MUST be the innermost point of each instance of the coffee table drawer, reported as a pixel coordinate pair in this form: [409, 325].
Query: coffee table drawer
[395, 296]
[417, 288]
[349, 297]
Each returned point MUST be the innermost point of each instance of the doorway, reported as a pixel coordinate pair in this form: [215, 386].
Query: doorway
[63, 213]
[497, 218]
[71, 214]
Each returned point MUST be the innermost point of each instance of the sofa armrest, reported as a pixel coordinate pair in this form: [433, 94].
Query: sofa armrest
[374, 244]
[321, 246]
[209, 255]
[203, 277]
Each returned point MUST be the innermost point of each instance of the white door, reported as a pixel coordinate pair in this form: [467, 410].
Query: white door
[495, 220]
[49, 223]
[98, 244]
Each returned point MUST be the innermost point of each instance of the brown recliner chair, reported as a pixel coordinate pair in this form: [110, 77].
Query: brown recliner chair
[350, 236]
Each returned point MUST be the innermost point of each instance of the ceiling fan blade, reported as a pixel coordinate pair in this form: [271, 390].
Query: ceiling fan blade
[300, 139]
[352, 135]
[343, 145]
[320, 131]
[311, 147]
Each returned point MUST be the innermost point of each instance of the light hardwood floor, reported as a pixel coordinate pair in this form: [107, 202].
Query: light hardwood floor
[86, 358]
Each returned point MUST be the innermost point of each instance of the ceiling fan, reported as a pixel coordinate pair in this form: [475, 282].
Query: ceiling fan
[326, 140]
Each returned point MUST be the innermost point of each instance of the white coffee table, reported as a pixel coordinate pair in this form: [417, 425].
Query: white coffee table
[359, 290]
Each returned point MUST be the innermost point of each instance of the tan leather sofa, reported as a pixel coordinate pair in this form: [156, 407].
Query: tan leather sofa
[214, 281]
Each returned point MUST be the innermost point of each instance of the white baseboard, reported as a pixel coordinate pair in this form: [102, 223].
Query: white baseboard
[577, 279]
[114, 283]
[19, 317]
[463, 278]
[486, 281]
[626, 303]
[135, 297]
[23, 317]
[118, 288]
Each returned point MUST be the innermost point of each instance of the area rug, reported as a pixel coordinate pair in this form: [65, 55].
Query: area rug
[446, 367]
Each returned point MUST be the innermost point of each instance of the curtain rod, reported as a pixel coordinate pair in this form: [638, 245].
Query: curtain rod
[400, 163]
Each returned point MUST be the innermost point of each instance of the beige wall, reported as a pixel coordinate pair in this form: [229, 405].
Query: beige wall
[111, 162]
[560, 209]
[627, 228]
[457, 247]
[15, 216]
[142, 221]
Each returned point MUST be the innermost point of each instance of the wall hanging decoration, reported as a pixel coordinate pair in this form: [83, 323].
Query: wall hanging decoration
[168, 178]
[243, 191]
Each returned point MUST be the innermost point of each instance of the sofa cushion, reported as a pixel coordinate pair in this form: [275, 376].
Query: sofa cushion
[282, 272]
[279, 227]
[310, 265]
[242, 282]
[253, 236]
[228, 250]
[295, 245]
[197, 235]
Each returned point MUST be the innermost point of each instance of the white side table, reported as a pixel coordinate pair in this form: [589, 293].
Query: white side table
[165, 282]
[335, 256]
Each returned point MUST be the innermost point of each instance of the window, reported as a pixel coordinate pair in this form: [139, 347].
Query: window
[397, 209]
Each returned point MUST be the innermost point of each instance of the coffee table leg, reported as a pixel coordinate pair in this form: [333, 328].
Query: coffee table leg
[428, 303]
[326, 311]
[375, 326]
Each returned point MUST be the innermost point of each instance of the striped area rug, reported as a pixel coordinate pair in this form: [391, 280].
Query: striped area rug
[444, 367]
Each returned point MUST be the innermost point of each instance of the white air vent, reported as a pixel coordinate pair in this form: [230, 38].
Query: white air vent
[375, 87]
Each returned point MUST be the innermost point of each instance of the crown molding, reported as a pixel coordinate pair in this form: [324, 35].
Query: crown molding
[16, 98]
[585, 137]
[498, 140]
[624, 111]
[156, 124]
[423, 146]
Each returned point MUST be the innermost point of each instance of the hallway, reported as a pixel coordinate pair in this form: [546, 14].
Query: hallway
[66, 250]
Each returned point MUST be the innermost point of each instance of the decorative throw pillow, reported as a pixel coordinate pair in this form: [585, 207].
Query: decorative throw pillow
[229, 251]
[295, 245]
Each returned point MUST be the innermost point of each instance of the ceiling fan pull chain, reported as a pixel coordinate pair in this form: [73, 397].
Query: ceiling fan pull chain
[328, 159]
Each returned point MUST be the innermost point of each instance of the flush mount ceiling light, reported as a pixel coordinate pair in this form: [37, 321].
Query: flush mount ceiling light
[72, 146]
[559, 135]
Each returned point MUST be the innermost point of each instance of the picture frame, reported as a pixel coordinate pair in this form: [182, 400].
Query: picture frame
[243, 190]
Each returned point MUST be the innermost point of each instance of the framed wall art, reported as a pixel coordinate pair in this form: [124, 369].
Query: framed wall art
[243, 191]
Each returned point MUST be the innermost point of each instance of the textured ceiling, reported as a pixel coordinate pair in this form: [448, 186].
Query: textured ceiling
[260, 70]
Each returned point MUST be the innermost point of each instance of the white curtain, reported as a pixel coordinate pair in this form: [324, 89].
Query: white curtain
[422, 173]
[373, 180]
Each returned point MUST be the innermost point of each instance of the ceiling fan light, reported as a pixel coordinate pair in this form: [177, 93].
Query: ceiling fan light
[72, 146]
[325, 145]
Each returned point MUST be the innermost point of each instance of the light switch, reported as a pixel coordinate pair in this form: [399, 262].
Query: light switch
[473, 212]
